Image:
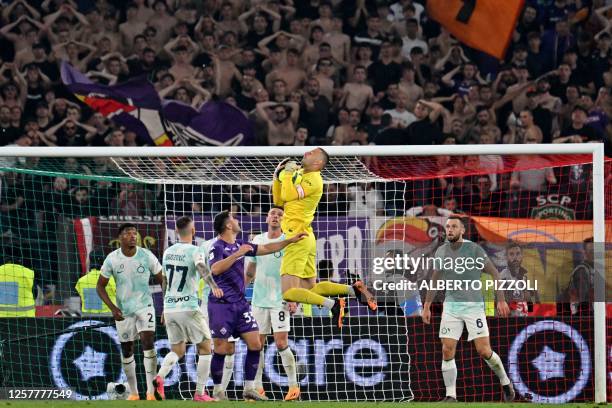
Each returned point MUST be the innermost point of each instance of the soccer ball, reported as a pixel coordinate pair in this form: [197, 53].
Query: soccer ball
[118, 391]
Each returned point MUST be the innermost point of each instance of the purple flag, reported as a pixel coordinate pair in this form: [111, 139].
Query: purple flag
[216, 123]
[136, 105]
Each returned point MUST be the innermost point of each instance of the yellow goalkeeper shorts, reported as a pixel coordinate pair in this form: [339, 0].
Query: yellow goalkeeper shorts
[299, 258]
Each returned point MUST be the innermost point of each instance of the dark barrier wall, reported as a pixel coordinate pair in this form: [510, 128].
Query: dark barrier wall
[371, 358]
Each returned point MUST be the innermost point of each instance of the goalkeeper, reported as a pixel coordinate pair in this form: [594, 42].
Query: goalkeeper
[298, 191]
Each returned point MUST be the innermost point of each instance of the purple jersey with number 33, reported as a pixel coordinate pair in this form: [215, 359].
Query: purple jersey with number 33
[232, 280]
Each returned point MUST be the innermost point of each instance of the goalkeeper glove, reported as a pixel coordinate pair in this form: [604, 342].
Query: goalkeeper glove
[291, 166]
[286, 165]
[280, 167]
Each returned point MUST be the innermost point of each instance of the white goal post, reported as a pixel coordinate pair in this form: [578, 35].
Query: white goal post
[598, 195]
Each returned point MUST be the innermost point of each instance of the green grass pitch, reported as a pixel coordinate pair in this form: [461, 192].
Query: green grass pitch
[269, 404]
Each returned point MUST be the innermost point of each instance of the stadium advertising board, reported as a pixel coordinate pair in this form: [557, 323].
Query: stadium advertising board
[548, 361]
[368, 362]
[371, 359]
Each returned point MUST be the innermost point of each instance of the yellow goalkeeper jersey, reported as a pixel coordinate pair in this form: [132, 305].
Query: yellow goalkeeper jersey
[299, 200]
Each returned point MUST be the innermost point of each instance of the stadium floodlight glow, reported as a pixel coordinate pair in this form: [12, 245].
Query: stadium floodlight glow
[191, 167]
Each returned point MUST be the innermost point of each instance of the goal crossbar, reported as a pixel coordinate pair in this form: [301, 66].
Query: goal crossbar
[261, 151]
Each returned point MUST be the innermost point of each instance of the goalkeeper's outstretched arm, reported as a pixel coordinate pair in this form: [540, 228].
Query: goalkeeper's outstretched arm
[276, 193]
[289, 191]
[276, 184]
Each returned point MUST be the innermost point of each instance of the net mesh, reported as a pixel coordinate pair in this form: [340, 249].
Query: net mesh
[56, 212]
[232, 170]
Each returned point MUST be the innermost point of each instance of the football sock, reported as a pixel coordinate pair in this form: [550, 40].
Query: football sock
[449, 373]
[259, 375]
[228, 370]
[150, 365]
[129, 367]
[301, 295]
[216, 368]
[251, 363]
[328, 288]
[203, 372]
[498, 368]
[166, 365]
[288, 360]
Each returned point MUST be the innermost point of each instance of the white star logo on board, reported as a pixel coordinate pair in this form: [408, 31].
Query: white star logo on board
[550, 364]
[90, 363]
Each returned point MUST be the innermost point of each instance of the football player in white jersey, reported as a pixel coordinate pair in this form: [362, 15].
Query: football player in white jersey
[272, 313]
[131, 266]
[183, 265]
[462, 261]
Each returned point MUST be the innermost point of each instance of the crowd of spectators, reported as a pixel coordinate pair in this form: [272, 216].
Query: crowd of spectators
[312, 72]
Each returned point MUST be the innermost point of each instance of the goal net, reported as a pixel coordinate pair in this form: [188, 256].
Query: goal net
[381, 211]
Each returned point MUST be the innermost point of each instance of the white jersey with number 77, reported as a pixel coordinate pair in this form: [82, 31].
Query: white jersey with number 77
[182, 276]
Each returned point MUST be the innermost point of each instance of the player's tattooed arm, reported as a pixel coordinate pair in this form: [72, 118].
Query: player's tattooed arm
[431, 293]
[207, 276]
[164, 285]
[205, 273]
